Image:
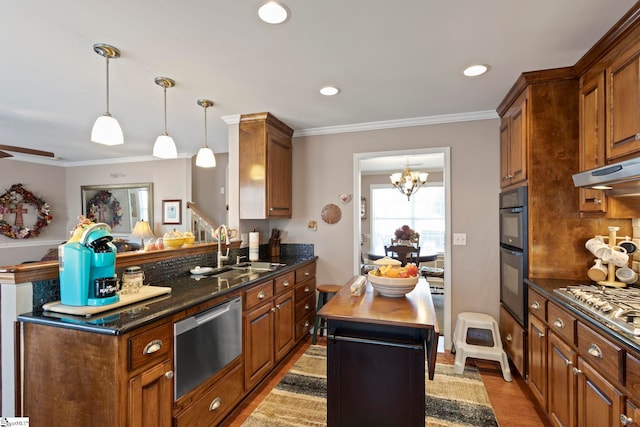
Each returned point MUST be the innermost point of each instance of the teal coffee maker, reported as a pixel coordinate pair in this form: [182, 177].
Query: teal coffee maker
[87, 269]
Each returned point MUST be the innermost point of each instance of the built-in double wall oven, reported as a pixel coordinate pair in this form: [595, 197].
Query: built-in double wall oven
[513, 252]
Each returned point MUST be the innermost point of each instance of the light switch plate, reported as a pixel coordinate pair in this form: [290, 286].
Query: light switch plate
[460, 239]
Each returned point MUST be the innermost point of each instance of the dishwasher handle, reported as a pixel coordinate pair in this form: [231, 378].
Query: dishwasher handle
[194, 321]
[409, 346]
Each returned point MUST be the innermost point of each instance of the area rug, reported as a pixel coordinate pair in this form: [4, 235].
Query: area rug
[299, 399]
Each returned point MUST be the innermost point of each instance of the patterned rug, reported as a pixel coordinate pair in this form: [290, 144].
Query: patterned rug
[299, 399]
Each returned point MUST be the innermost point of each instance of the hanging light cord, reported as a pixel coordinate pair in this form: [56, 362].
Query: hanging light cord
[205, 128]
[107, 113]
[165, 109]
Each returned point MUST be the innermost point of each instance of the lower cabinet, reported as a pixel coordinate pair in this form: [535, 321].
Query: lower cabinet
[513, 338]
[149, 393]
[538, 360]
[599, 402]
[561, 392]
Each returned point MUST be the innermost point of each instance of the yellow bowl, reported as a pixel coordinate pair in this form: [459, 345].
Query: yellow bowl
[173, 242]
[188, 240]
[393, 287]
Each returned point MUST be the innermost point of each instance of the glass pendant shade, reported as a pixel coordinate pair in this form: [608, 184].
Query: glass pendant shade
[165, 148]
[205, 158]
[106, 130]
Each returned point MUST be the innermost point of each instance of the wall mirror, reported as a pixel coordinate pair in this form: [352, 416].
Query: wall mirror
[120, 205]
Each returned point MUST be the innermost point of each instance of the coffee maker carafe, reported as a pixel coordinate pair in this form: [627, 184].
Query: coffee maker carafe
[87, 269]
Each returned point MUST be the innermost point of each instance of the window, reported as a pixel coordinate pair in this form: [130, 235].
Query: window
[424, 213]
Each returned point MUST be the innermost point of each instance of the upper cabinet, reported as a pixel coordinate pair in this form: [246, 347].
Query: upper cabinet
[624, 104]
[513, 143]
[265, 167]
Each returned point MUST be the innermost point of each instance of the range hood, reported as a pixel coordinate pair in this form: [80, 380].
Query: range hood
[617, 179]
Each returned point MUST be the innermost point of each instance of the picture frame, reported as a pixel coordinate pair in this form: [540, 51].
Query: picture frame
[363, 208]
[172, 211]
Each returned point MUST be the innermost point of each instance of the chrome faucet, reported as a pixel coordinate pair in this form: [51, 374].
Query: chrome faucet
[222, 235]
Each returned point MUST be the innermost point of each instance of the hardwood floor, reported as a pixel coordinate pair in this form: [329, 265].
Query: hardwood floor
[511, 401]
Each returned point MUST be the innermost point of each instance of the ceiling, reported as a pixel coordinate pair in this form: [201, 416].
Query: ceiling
[393, 61]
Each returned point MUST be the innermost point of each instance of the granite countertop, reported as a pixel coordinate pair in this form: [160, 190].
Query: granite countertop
[186, 291]
[546, 288]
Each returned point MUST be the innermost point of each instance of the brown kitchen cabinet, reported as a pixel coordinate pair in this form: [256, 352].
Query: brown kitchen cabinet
[269, 326]
[513, 143]
[265, 167]
[305, 298]
[106, 380]
[561, 391]
[624, 104]
[599, 402]
[538, 360]
[513, 337]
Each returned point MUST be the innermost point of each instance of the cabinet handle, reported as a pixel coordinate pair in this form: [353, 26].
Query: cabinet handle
[535, 305]
[278, 306]
[285, 283]
[508, 338]
[169, 375]
[625, 421]
[540, 334]
[595, 351]
[568, 362]
[597, 201]
[306, 323]
[576, 371]
[307, 273]
[559, 324]
[261, 295]
[637, 136]
[152, 347]
[306, 289]
[273, 309]
[215, 404]
[307, 306]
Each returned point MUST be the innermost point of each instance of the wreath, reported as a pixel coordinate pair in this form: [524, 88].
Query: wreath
[104, 198]
[11, 202]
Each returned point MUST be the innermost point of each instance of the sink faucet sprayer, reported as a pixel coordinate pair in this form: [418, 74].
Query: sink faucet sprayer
[222, 234]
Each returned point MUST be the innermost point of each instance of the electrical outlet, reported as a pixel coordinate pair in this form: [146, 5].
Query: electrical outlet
[460, 239]
[221, 190]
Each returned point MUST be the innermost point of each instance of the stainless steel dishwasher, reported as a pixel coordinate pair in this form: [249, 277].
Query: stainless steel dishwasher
[206, 343]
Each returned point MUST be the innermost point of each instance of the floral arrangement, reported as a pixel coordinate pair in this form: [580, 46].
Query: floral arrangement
[11, 202]
[104, 198]
[406, 233]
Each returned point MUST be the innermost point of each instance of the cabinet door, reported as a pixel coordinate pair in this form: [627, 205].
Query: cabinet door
[562, 399]
[504, 153]
[538, 360]
[284, 324]
[258, 347]
[279, 160]
[632, 416]
[599, 403]
[151, 397]
[518, 142]
[624, 106]
[592, 140]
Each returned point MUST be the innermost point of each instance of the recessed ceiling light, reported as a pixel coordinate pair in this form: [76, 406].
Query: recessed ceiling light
[273, 12]
[329, 90]
[475, 70]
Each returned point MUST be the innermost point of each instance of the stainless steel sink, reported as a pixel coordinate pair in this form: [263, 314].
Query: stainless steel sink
[257, 266]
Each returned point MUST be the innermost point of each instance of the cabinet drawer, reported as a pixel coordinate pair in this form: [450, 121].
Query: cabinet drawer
[537, 305]
[600, 352]
[305, 289]
[513, 339]
[150, 346]
[306, 272]
[284, 282]
[304, 325]
[561, 322]
[305, 306]
[258, 294]
[216, 402]
[632, 376]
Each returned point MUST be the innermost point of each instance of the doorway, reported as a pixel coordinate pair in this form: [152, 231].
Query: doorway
[435, 161]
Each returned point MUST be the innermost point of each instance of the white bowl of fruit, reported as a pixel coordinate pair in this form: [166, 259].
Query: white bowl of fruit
[392, 280]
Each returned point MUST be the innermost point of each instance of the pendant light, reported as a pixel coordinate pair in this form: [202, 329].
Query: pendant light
[205, 158]
[408, 181]
[106, 130]
[164, 147]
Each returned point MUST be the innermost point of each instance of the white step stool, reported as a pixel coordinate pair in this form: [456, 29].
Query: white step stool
[488, 346]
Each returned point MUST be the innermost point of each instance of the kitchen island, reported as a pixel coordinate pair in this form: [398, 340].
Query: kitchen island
[376, 352]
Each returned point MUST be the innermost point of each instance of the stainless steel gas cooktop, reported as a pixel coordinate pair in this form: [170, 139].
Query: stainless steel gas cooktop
[618, 307]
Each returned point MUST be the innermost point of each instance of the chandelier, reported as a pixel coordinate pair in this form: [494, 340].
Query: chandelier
[408, 181]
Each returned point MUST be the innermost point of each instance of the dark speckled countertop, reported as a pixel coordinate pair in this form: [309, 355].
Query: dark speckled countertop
[546, 287]
[186, 291]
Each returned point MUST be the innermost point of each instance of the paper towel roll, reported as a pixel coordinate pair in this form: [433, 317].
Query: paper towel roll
[254, 246]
